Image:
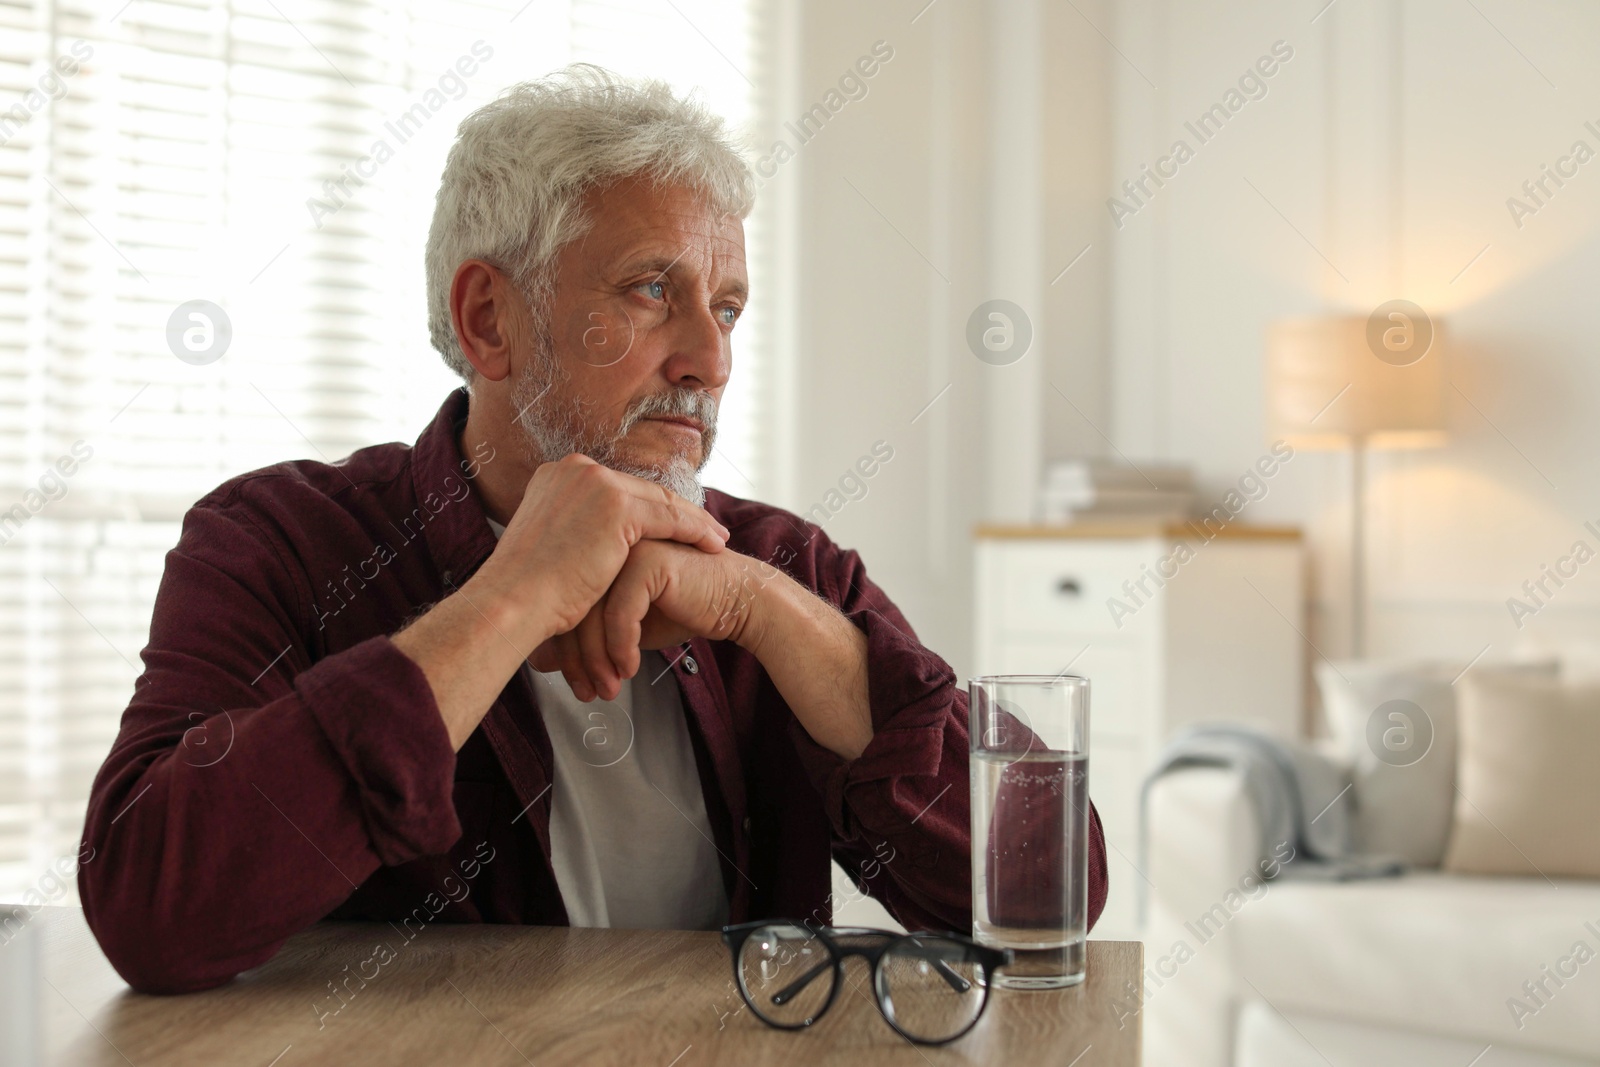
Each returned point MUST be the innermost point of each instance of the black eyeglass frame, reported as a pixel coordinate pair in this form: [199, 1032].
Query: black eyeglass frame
[989, 959]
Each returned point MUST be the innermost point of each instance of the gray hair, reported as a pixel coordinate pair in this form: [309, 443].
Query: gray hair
[520, 166]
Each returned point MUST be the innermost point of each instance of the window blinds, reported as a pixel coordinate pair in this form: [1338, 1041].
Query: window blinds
[158, 152]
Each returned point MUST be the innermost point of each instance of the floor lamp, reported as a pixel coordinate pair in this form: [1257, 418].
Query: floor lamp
[1329, 388]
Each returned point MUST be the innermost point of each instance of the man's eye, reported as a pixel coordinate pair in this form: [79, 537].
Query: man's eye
[728, 315]
[654, 290]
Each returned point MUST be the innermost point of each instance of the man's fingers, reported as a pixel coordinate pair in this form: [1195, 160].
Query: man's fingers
[571, 665]
[566, 653]
[665, 516]
[625, 608]
[591, 640]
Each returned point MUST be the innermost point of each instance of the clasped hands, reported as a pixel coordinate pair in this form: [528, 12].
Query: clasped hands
[595, 565]
[618, 564]
[665, 593]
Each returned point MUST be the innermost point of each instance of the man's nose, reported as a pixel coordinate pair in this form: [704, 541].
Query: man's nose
[700, 352]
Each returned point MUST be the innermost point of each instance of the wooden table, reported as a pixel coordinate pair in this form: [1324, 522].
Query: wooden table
[512, 995]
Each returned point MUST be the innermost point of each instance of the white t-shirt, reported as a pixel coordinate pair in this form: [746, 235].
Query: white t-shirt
[629, 837]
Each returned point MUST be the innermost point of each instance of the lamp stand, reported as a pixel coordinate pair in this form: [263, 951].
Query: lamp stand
[1358, 548]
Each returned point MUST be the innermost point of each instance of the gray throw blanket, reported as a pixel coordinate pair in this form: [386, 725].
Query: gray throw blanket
[1299, 796]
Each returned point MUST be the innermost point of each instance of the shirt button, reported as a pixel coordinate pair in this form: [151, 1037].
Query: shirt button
[747, 824]
[690, 665]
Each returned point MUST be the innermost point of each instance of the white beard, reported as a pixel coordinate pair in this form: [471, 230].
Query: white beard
[554, 431]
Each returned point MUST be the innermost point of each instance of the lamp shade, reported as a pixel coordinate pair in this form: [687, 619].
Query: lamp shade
[1327, 387]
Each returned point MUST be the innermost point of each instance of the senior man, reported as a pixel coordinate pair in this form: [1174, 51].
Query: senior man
[528, 670]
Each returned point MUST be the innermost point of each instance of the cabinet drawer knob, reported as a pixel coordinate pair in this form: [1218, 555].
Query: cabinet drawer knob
[1069, 587]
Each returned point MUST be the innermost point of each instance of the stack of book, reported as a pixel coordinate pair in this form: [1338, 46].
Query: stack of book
[1091, 490]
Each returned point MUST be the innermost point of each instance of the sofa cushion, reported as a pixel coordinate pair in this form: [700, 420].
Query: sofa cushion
[1395, 723]
[1433, 953]
[1527, 796]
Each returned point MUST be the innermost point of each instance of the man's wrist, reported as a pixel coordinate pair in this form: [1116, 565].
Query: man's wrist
[518, 617]
[817, 659]
[767, 596]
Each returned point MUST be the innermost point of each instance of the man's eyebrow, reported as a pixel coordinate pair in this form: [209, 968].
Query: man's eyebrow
[661, 265]
[658, 264]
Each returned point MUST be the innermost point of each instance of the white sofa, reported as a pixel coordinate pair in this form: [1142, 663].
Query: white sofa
[1415, 971]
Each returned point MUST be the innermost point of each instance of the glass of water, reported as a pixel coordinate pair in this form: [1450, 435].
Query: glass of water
[1030, 824]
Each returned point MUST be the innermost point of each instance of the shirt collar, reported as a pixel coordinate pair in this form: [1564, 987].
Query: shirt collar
[454, 523]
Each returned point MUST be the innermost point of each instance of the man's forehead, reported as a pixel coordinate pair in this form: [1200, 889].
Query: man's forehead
[635, 223]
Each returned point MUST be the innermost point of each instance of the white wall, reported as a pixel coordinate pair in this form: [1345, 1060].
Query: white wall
[891, 269]
[1377, 165]
[1391, 142]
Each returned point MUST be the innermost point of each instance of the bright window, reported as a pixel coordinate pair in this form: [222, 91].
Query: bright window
[166, 152]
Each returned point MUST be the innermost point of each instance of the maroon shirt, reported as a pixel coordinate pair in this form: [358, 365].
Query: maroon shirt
[282, 762]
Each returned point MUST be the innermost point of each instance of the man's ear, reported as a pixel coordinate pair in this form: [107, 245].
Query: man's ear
[485, 310]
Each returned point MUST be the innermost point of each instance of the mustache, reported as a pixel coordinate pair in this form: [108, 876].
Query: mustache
[677, 401]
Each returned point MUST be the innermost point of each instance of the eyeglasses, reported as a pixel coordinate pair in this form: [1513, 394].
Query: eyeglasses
[932, 988]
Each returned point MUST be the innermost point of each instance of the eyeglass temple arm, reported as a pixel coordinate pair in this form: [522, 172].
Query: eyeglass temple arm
[790, 991]
[951, 978]
[793, 989]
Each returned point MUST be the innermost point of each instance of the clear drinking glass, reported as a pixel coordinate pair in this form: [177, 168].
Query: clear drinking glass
[1030, 824]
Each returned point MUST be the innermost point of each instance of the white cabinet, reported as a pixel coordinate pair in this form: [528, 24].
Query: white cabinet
[1168, 636]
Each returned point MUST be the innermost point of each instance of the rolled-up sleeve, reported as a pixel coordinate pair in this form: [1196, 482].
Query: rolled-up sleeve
[376, 710]
[249, 792]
